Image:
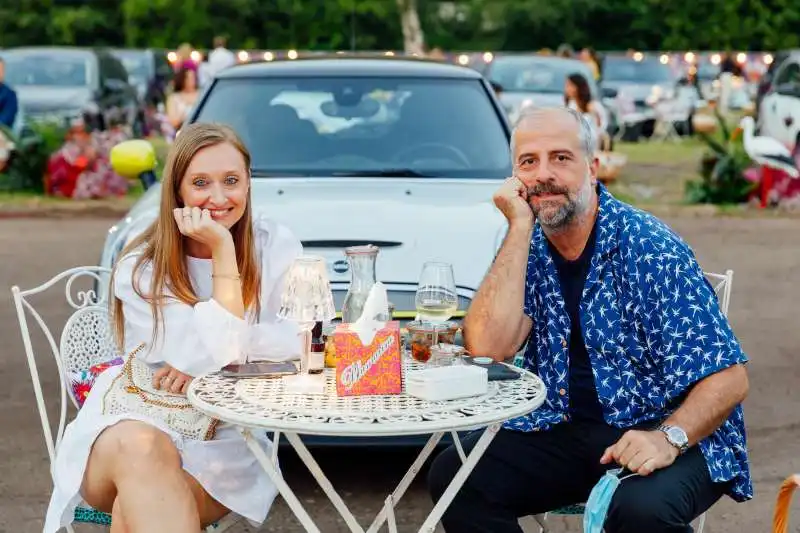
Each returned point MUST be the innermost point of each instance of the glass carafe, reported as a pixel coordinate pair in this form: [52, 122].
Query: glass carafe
[362, 277]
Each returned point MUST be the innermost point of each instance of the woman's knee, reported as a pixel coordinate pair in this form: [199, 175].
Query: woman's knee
[133, 442]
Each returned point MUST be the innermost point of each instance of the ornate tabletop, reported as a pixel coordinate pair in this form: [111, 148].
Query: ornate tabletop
[264, 403]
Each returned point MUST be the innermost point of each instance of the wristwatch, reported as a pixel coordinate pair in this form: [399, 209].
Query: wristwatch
[675, 436]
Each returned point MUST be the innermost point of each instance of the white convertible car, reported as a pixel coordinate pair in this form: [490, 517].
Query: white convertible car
[401, 153]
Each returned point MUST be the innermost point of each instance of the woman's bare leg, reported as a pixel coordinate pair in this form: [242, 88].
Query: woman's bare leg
[118, 524]
[138, 467]
[210, 510]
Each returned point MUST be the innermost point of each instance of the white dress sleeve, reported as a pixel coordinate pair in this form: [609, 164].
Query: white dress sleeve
[193, 339]
[274, 338]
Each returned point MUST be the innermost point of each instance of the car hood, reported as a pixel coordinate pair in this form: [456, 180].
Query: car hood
[412, 221]
[37, 99]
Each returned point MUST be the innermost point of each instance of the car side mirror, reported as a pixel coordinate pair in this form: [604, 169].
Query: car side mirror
[608, 92]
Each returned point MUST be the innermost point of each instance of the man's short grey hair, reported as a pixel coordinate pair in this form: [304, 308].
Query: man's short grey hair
[586, 133]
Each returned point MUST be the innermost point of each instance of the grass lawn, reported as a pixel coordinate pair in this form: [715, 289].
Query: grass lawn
[657, 172]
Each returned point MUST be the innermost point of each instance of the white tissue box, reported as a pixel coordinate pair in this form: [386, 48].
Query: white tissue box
[447, 382]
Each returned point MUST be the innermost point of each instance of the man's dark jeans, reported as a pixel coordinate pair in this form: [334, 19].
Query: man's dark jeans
[523, 474]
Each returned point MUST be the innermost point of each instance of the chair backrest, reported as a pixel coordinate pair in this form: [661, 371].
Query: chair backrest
[722, 286]
[85, 340]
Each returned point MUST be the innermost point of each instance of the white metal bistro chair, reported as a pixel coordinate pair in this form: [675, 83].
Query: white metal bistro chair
[722, 286]
[667, 114]
[86, 340]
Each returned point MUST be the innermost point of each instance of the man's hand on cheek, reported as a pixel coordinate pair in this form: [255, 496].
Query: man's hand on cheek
[641, 452]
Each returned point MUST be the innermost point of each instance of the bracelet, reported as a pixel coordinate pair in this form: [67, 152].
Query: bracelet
[227, 276]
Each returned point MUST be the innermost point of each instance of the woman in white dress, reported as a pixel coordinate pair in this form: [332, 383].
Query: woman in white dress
[216, 270]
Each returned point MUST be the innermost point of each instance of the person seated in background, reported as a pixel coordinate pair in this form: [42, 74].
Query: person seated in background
[578, 96]
[182, 99]
[640, 366]
[81, 168]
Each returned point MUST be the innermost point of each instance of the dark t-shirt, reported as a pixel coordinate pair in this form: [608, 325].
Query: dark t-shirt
[583, 402]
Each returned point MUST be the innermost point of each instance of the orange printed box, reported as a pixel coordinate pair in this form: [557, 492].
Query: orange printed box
[372, 369]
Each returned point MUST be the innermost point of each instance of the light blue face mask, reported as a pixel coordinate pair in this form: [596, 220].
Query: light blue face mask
[594, 516]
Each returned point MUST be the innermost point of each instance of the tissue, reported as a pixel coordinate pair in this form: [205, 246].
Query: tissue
[372, 318]
[368, 350]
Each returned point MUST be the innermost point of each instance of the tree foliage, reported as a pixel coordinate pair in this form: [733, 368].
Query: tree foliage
[376, 24]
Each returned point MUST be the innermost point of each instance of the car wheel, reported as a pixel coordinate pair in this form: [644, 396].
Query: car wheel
[688, 126]
[632, 133]
[648, 127]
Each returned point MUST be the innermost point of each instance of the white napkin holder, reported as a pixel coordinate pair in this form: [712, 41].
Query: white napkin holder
[447, 382]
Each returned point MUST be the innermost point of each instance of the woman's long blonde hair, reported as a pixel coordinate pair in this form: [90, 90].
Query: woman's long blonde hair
[164, 247]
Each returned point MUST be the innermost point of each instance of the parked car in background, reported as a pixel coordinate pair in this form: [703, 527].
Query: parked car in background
[534, 80]
[639, 88]
[149, 70]
[779, 113]
[765, 84]
[61, 84]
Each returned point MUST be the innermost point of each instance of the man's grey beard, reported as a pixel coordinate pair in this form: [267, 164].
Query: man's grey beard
[576, 205]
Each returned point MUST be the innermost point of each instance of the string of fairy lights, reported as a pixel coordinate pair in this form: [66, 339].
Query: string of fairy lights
[690, 60]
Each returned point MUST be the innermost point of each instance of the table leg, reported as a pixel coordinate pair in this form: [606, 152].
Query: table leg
[324, 483]
[276, 477]
[401, 488]
[455, 485]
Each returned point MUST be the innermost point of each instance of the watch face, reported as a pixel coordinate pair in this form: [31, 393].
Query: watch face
[677, 435]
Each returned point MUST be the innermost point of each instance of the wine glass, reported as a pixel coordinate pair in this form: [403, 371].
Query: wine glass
[436, 298]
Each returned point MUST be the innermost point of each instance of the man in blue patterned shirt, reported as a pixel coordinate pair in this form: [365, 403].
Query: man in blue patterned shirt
[641, 367]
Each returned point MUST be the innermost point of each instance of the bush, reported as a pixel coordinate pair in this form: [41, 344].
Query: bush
[28, 164]
[721, 169]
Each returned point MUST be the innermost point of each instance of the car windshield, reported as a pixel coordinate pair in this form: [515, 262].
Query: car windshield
[636, 71]
[58, 70]
[392, 127]
[136, 63]
[526, 74]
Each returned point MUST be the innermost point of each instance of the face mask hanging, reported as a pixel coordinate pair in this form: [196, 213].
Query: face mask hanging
[594, 516]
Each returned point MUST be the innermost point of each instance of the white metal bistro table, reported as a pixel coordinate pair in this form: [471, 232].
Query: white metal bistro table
[259, 403]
